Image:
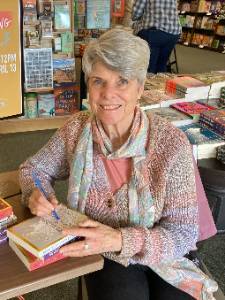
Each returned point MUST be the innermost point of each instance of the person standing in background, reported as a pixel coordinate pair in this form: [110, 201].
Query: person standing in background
[157, 22]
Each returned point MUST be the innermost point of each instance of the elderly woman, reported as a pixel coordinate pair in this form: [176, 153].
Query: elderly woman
[132, 175]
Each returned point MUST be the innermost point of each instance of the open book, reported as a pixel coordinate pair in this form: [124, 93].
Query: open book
[40, 236]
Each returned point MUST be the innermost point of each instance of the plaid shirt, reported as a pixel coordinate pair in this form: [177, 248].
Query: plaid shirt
[161, 14]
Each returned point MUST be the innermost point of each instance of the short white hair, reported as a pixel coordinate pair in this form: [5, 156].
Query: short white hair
[120, 51]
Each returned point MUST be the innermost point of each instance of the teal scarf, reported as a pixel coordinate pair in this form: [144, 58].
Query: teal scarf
[141, 210]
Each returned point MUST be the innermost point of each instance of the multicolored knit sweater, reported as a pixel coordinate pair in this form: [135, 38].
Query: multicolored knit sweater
[172, 185]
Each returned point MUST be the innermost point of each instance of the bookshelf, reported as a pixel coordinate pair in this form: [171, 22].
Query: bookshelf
[203, 24]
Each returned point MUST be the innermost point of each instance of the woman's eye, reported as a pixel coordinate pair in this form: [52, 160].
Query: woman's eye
[123, 82]
[97, 81]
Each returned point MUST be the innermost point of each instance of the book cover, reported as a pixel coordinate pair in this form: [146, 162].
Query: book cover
[203, 140]
[171, 115]
[118, 8]
[192, 109]
[66, 98]
[98, 14]
[32, 262]
[5, 209]
[62, 17]
[64, 70]
[67, 40]
[40, 236]
[46, 105]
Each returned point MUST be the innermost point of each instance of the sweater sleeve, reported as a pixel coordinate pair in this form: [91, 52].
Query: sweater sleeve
[176, 232]
[52, 162]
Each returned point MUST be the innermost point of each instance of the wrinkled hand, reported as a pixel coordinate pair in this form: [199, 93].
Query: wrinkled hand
[99, 238]
[39, 205]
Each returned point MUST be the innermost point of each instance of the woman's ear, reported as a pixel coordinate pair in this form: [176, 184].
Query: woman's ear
[140, 90]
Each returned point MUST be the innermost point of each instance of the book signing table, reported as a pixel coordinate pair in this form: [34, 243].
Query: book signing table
[16, 280]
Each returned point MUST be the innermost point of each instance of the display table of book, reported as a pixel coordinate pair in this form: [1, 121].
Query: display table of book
[16, 280]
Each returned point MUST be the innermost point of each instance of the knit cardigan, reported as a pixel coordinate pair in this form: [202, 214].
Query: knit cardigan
[172, 184]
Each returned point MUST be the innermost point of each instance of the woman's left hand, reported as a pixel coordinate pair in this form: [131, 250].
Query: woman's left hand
[98, 238]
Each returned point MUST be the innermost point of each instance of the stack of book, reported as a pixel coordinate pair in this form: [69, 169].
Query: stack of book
[187, 87]
[171, 115]
[192, 109]
[214, 120]
[37, 241]
[204, 142]
[7, 218]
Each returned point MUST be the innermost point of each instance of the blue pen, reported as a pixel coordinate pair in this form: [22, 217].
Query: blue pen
[38, 184]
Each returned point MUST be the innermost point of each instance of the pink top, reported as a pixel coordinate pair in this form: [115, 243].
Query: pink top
[119, 172]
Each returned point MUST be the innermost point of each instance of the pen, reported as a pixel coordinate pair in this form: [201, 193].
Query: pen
[38, 184]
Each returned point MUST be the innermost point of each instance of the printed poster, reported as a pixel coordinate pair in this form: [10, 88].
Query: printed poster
[10, 59]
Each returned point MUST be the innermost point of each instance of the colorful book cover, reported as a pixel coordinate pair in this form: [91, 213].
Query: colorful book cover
[62, 17]
[98, 14]
[171, 115]
[198, 135]
[32, 262]
[118, 7]
[192, 109]
[67, 40]
[46, 105]
[182, 83]
[64, 70]
[5, 209]
[40, 236]
[66, 98]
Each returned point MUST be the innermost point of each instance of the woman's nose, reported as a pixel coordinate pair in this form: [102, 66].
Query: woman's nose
[108, 91]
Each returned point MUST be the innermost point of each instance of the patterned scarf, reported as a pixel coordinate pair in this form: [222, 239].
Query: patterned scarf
[141, 210]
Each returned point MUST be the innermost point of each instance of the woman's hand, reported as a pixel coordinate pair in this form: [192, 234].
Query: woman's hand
[39, 205]
[98, 238]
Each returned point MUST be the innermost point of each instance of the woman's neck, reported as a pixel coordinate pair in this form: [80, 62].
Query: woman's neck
[118, 134]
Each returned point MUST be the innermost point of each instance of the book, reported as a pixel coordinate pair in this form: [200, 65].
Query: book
[117, 8]
[64, 70]
[62, 17]
[67, 42]
[66, 98]
[171, 115]
[5, 209]
[40, 236]
[203, 140]
[46, 105]
[32, 262]
[98, 14]
[214, 120]
[8, 221]
[192, 109]
[183, 86]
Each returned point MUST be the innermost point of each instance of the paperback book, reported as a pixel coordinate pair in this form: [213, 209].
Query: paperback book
[203, 140]
[215, 120]
[41, 236]
[64, 70]
[175, 117]
[66, 98]
[98, 14]
[62, 17]
[192, 109]
[5, 209]
[32, 262]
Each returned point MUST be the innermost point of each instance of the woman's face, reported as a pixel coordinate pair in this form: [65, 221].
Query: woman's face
[112, 97]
